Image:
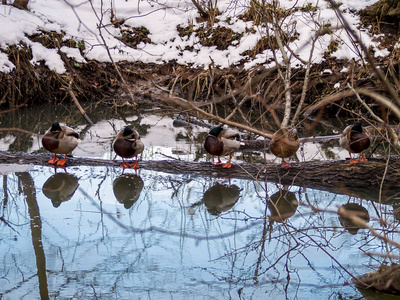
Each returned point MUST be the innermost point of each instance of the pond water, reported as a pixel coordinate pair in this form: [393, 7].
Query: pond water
[99, 233]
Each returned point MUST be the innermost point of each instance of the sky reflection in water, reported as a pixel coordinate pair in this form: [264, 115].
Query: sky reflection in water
[176, 238]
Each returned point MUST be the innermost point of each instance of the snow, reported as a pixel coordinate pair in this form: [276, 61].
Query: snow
[49, 56]
[80, 20]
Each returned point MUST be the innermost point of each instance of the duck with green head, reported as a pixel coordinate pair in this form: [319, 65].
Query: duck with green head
[128, 144]
[355, 139]
[222, 142]
[60, 140]
[285, 143]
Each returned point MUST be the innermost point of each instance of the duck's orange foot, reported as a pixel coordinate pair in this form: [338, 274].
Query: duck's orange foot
[285, 164]
[125, 165]
[227, 165]
[61, 162]
[353, 161]
[363, 159]
[53, 160]
[135, 165]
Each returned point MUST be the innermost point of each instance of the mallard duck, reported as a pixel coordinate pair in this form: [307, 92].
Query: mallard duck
[128, 144]
[284, 143]
[355, 139]
[221, 142]
[60, 140]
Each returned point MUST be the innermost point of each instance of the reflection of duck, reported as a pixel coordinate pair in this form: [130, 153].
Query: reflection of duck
[283, 204]
[127, 189]
[221, 142]
[352, 209]
[128, 144]
[60, 140]
[60, 187]
[220, 198]
[284, 143]
[355, 139]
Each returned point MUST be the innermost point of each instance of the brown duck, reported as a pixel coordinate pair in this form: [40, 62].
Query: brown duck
[284, 143]
[128, 144]
[60, 140]
[355, 139]
[221, 142]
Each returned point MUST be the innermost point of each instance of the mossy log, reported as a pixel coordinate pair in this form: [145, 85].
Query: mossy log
[365, 180]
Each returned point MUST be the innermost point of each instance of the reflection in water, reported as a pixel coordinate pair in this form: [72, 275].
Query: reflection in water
[220, 198]
[94, 253]
[127, 189]
[29, 191]
[283, 204]
[60, 188]
[352, 209]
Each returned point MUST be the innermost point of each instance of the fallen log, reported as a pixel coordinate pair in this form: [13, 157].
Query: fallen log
[363, 180]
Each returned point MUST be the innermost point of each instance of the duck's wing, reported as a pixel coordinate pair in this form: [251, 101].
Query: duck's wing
[68, 131]
[230, 134]
[231, 141]
[345, 138]
[138, 146]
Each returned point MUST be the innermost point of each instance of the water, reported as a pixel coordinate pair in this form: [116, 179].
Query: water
[100, 233]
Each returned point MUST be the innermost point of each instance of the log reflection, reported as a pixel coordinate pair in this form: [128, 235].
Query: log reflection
[60, 187]
[127, 189]
[28, 188]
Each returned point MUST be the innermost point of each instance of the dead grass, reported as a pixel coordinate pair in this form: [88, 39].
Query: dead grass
[261, 13]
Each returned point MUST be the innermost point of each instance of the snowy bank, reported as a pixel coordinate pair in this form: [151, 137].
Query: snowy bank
[81, 20]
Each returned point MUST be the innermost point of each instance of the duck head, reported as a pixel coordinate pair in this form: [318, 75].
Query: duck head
[357, 128]
[55, 128]
[216, 131]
